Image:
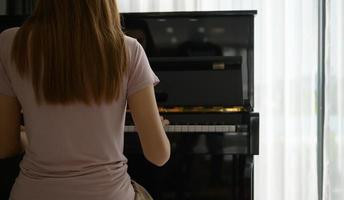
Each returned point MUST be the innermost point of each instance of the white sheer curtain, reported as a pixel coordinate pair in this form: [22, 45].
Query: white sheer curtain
[285, 89]
[334, 107]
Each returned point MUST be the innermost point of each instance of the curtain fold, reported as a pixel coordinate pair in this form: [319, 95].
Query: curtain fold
[286, 55]
[334, 102]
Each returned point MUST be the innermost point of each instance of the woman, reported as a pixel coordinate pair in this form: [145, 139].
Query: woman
[71, 70]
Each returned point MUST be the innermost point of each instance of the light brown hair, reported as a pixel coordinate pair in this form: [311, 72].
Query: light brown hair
[73, 50]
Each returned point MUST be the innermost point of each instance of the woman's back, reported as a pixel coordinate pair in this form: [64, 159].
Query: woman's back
[74, 151]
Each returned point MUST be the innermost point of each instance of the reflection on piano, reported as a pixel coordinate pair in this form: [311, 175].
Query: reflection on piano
[204, 61]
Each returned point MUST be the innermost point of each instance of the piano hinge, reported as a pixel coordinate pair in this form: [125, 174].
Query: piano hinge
[219, 66]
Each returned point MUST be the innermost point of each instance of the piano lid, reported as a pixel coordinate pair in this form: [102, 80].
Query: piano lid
[201, 58]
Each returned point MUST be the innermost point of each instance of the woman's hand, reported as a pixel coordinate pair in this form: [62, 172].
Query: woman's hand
[164, 122]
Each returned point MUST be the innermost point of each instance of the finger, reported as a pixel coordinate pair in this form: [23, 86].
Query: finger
[166, 122]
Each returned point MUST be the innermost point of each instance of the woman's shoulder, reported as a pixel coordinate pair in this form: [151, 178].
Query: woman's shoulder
[7, 37]
[11, 30]
[8, 33]
[130, 42]
[133, 47]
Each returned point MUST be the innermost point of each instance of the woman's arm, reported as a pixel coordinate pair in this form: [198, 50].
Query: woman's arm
[144, 110]
[10, 142]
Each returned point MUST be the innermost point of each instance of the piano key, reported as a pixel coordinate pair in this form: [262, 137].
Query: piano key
[224, 128]
[192, 128]
[198, 128]
[130, 128]
[170, 128]
[185, 128]
[212, 128]
[177, 128]
[206, 128]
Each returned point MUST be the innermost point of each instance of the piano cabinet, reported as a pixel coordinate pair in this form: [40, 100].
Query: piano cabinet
[195, 176]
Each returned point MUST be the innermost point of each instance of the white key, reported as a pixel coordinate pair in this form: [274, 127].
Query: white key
[231, 129]
[223, 128]
[205, 128]
[131, 128]
[212, 128]
[185, 128]
[177, 128]
[192, 128]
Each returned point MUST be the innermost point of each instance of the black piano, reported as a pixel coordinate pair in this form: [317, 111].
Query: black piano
[205, 62]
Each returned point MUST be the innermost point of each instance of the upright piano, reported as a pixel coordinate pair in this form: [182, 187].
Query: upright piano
[205, 63]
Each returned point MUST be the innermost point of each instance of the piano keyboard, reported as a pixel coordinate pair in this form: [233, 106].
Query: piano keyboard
[193, 128]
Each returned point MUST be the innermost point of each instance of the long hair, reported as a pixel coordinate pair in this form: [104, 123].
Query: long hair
[73, 51]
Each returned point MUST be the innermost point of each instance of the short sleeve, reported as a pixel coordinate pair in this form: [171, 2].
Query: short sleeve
[5, 84]
[141, 74]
